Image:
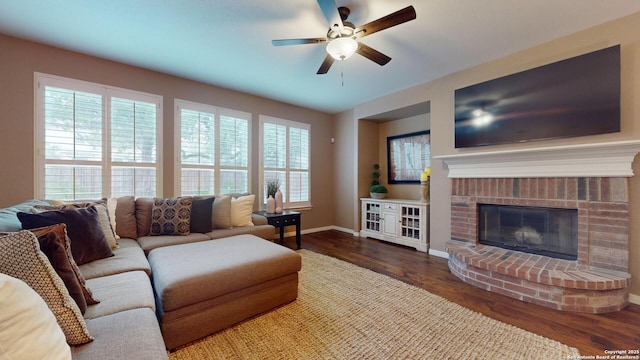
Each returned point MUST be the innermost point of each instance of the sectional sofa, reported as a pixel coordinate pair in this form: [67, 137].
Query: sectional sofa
[124, 324]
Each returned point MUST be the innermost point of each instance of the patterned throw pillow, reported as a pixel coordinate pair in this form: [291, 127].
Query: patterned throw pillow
[171, 216]
[21, 258]
[59, 232]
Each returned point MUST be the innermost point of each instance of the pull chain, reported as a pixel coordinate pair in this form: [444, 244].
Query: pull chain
[342, 73]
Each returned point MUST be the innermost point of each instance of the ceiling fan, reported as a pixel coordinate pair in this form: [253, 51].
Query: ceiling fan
[342, 35]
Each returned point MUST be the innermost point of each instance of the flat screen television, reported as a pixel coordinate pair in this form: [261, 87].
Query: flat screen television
[575, 97]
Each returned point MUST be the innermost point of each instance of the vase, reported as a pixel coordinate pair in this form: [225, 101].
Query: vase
[271, 205]
[424, 191]
[377, 195]
[279, 205]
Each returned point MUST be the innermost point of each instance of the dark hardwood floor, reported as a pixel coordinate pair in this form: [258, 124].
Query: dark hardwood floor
[590, 334]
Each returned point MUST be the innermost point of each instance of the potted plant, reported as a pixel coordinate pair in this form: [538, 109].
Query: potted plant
[272, 185]
[377, 191]
[273, 188]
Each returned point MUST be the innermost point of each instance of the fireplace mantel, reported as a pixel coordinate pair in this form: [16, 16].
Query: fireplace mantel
[610, 159]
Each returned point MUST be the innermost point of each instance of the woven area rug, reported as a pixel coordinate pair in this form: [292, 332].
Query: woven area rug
[344, 311]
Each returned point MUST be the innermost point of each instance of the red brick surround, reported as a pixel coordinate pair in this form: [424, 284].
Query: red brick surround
[597, 282]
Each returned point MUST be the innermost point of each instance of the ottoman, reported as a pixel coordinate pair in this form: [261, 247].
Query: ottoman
[206, 286]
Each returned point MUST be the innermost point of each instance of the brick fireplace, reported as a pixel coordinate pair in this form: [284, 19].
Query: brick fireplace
[598, 280]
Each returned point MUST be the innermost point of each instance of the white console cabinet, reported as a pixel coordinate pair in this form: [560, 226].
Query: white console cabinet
[400, 221]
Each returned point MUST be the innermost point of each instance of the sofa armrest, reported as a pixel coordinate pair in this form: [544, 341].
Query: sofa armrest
[258, 219]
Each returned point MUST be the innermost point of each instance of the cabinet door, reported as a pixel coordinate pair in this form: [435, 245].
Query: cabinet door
[371, 216]
[390, 216]
[390, 224]
[411, 222]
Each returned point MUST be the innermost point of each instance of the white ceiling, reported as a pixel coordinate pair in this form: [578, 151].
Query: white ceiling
[228, 42]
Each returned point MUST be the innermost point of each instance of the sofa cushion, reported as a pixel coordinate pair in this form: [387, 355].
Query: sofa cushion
[28, 329]
[88, 242]
[118, 338]
[120, 292]
[54, 244]
[127, 257]
[126, 223]
[201, 214]
[20, 257]
[148, 243]
[221, 215]
[9, 221]
[266, 232]
[144, 208]
[241, 210]
[171, 216]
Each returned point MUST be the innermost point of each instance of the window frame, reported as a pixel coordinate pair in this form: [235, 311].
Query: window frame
[288, 205]
[42, 80]
[217, 167]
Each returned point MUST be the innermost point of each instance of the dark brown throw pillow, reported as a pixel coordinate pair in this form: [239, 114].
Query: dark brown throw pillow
[201, 209]
[60, 232]
[54, 248]
[88, 242]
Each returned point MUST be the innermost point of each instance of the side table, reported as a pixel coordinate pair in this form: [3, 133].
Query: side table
[286, 218]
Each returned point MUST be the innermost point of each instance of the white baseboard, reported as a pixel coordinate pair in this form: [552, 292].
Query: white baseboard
[318, 229]
[438, 253]
[634, 299]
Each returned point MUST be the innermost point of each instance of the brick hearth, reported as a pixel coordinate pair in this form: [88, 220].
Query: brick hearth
[597, 282]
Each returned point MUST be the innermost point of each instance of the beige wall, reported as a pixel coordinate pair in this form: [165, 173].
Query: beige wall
[19, 60]
[344, 163]
[440, 93]
[368, 154]
[393, 128]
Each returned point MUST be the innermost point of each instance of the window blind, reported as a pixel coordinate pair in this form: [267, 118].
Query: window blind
[285, 155]
[214, 149]
[92, 144]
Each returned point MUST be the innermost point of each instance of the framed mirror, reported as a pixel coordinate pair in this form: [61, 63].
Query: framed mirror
[407, 156]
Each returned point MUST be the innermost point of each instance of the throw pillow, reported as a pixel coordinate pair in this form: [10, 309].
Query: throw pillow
[112, 203]
[241, 210]
[28, 329]
[103, 216]
[221, 214]
[53, 247]
[171, 216]
[88, 242]
[59, 231]
[20, 257]
[201, 213]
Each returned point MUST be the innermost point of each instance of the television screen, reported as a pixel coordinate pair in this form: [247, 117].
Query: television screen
[574, 97]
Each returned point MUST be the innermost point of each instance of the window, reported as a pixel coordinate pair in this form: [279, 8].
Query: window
[214, 149]
[95, 141]
[285, 155]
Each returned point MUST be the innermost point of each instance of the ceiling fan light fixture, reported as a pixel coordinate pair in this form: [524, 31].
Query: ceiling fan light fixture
[342, 48]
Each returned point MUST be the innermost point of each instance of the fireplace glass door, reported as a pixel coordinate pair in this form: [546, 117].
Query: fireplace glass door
[545, 231]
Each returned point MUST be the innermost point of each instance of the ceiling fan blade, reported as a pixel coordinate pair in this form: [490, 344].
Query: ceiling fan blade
[326, 64]
[331, 13]
[393, 19]
[372, 54]
[285, 42]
